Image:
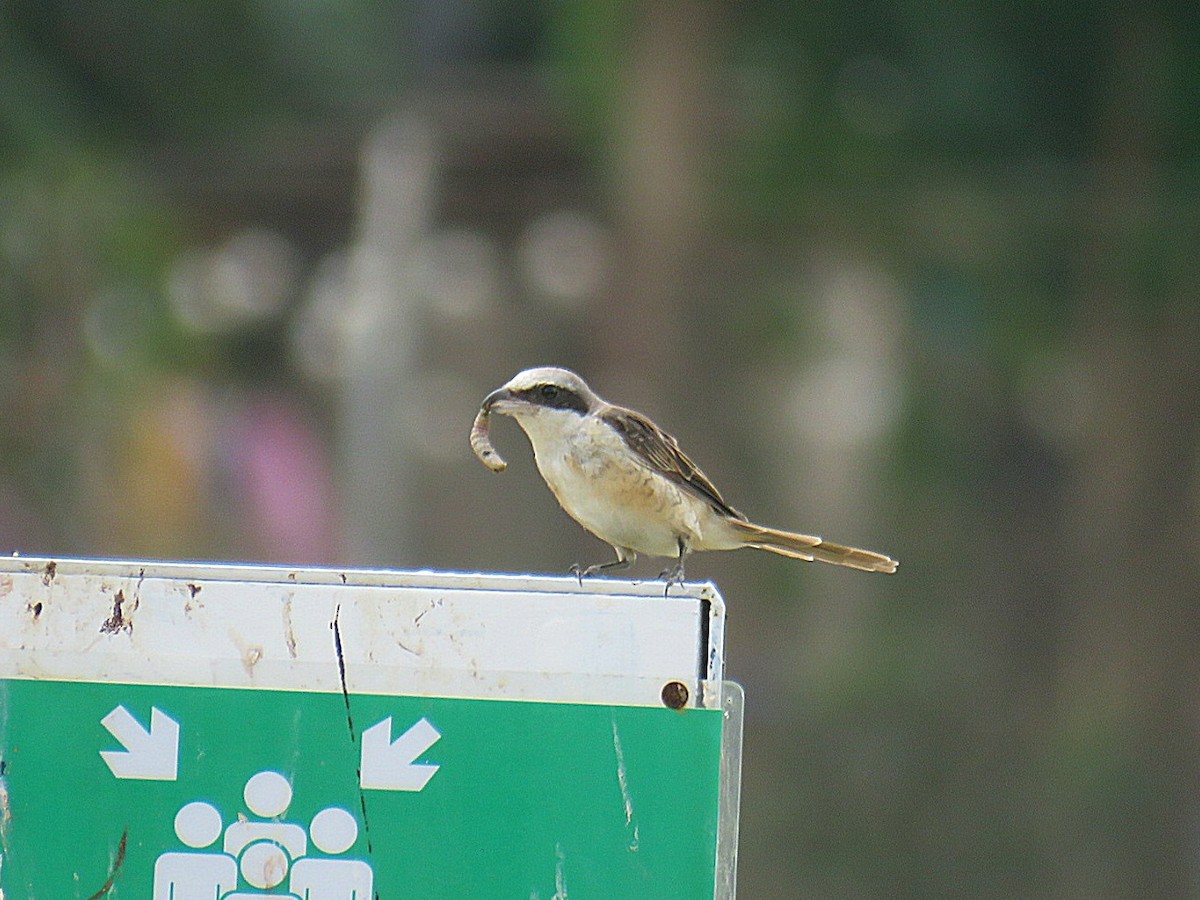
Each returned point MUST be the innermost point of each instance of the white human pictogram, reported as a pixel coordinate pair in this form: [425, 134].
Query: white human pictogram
[333, 831]
[263, 852]
[182, 875]
[264, 864]
[267, 794]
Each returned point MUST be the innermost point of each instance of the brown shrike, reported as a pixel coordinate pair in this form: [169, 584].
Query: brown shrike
[626, 481]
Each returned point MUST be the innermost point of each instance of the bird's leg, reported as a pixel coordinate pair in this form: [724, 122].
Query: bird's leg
[674, 574]
[624, 560]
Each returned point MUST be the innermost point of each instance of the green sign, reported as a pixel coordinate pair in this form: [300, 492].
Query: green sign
[114, 787]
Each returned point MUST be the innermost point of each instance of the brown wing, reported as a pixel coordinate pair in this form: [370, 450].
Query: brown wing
[660, 451]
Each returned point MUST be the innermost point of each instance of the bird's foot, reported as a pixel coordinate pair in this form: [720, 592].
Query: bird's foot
[672, 575]
[581, 572]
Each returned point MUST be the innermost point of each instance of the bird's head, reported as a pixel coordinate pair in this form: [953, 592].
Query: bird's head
[535, 392]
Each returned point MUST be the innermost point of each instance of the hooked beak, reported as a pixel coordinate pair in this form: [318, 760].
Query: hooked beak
[499, 401]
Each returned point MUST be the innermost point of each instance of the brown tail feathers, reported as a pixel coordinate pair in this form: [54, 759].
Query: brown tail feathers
[806, 546]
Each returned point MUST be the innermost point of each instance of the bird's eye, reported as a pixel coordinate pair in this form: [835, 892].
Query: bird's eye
[548, 391]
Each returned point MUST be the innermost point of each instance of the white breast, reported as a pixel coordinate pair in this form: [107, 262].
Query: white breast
[601, 484]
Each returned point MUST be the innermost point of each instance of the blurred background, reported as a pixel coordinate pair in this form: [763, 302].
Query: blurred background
[920, 276]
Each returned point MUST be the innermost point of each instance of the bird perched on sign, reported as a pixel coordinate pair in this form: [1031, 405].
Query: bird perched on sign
[626, 481]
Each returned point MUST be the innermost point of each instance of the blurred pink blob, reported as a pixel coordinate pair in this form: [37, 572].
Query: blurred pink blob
[287, 478]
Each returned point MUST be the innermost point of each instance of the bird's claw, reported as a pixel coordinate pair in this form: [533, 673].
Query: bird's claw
[621, 562]
[672, 575]
[580, 572]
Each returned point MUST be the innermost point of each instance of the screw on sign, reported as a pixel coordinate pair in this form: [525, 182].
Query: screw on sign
[675, 695]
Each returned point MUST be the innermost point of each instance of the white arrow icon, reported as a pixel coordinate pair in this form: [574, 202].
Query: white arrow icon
[151, 755]
[388, 765]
